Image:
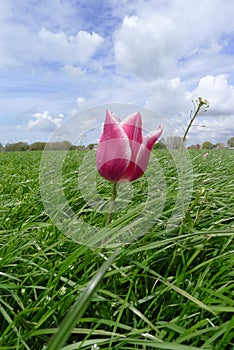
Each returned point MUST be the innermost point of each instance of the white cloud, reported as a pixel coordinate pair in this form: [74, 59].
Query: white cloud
[73, 71]
[43, 122]
[15, 39]
[81, 102]
[20, 44]
[71, 49]
[218, 92]
[167, 40]
[169, 97]
[145, 47]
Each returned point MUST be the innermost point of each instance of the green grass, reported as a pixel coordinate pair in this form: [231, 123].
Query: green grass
[168, 289]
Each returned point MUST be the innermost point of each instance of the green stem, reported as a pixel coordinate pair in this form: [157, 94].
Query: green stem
[111, 204]
[200, 103]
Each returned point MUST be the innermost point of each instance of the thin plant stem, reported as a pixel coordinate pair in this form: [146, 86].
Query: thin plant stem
[111, 204]
[200, 102]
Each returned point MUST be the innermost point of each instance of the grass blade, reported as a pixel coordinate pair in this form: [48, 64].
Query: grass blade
[77, 310]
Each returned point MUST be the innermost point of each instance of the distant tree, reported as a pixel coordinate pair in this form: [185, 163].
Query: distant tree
[7, 146]
[37, 146]
[80, 147]
[73, 147]
[173, 142]
[1, 146]
[207, 145]
[90, 146]
[67, 145]
[59, 146]
[220, 145]
[197, 146]
[230, 142]
[18, 146]
[21, 146]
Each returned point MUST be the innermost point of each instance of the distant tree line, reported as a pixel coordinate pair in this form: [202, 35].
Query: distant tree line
[210, 145]
[171, 142]
[175, 142]
[40, 146]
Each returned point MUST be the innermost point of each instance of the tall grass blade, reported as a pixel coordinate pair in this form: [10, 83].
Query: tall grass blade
[77, 310]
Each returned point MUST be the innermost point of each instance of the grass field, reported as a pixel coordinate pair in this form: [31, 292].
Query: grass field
[165, 290]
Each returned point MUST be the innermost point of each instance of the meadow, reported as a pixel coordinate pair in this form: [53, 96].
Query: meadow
[163, 290]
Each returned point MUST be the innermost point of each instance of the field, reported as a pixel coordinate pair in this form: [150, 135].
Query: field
[165, 289]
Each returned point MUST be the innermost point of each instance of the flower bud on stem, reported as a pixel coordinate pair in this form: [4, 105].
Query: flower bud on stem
[201, 102]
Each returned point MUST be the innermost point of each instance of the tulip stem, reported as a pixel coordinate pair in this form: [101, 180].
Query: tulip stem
[111, 204]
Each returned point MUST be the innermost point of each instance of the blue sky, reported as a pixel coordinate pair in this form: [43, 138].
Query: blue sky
[58, 58]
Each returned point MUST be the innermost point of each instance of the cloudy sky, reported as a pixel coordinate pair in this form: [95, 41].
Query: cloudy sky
[61, 57]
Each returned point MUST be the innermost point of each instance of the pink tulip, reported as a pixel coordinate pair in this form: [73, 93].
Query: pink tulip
[123, 152]
[205, 155]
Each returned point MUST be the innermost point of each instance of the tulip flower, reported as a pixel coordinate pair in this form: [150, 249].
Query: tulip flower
[123, 152]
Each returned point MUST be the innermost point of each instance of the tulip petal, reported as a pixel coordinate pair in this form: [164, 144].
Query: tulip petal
[137, 168]
[111, 127]
[114, 152]
[132, 125]
[152, 137]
